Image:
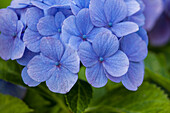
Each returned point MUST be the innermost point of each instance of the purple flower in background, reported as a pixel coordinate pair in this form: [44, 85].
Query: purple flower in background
[11, 45]
[77, 5]
[157, 21]
[77, 29]
[111, 13]
[57, 64]
[102, 59]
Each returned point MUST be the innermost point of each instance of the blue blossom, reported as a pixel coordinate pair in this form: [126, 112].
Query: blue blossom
[136, 50]
[112, 14]
[79, 28]
[77, 5]
[11, 45]
[58, 65]
[103, 59]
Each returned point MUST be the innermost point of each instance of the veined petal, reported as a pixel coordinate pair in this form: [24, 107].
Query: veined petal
[105, 44]
[62, 81]
[134, 77]
[87, 54]
[116, 65]
[27, 80]
[41, 68]
[95, 75]
[133, 6]
[83, 22]
[115, 10]
[124, 28]
[97, 13]
[134, 47]
[75, 42]
[52, 48]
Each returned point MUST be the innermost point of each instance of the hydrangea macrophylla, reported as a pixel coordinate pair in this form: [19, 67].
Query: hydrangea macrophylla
[11, 45]
[136, 50]
[103, 57]
[111, 13]
[77, 5]
[75, 31]
[58, 65]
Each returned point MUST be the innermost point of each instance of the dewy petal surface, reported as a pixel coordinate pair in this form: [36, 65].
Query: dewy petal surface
[27, 80]
[95, 75]
[116, 65]
[40, 68]
[105, 44]
[83, 22]
[62, 81]
[115, 10]
[8, 22]
[97, 13]
[134, 77]
[124, 28]
[87, 54]
[52, 48]
[134, 47]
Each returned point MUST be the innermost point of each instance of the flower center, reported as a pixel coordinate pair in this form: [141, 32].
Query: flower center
[101, 59]
[110, 24]
[84, 37]
[14, 35]
[59, 30]
[57, 64]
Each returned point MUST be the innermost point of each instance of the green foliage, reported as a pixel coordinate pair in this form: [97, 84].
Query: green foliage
[9, 104]
[79, 97]
[148, 99]
[5, 3]
[11, 71]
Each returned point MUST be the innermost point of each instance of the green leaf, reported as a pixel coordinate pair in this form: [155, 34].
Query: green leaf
[5, 3]
[11, 71]
[9, 104]
[79, 97]
[81, 73]
[147, 99]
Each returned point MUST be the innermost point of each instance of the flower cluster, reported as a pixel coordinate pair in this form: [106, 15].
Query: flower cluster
[51, 37]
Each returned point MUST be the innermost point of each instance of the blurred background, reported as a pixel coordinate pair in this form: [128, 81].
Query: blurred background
[152, 97]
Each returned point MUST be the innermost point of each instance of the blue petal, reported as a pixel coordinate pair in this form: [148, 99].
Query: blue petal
[69, 26]
[114, 79]
[27, 80]
[116, 65]
[95, 75]
[83, 22]
[143, 34]
[6, 44]
[77, 5]
[19, 4]
[70, 60]
[52, 48]
[46, 26]
[32, 16]
[62, 81]
[124, 28]
[41, 68]
[75, 42]
[138, 19]
[32, 40]
[134, 77]
[97, 13]
[134, 47]
[87, 54]
[133, 7]
[59, 18]
[115, 10]
[39, 4]
[57, 2]
[8, 22]
[94, 32]
[28, 55]
[105, 44]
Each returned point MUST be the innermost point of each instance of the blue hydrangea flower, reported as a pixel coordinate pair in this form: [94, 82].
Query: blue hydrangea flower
[111, 13]
[102, 59]
[11, 89]
[136, 50]
[79, 28]
[57, 64]
[77, 5]
[11, 45]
